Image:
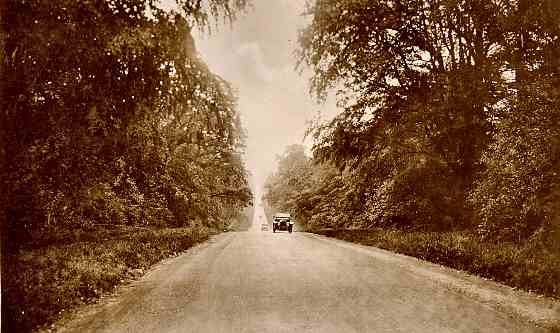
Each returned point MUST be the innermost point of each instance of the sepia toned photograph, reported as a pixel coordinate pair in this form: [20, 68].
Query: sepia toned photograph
[280, 166]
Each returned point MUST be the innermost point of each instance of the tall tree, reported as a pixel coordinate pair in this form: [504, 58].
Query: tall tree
[103, 102]
[517, 193]
[282, 188]
[416, 81]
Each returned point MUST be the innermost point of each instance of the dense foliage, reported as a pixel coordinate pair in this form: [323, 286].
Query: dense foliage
[450, 114]
[314, 194]
[109, 116]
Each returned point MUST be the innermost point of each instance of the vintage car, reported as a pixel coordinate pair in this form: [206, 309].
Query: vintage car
[264, 227]
[282, 221]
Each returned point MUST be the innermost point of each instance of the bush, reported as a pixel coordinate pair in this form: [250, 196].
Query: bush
[38, 284]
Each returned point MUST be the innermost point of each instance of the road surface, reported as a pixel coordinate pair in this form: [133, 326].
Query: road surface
[263, 282]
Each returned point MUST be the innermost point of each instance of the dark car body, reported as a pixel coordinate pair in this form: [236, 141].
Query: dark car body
[282, 221]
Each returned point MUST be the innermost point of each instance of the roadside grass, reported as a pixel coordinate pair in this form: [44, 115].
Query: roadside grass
[531, 267]
[40, 283]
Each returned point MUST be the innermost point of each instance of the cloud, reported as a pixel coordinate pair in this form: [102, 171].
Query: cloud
[256, 56]
[251, 55]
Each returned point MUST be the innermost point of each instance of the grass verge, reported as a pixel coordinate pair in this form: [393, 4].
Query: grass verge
[39, 284]
[531, 267]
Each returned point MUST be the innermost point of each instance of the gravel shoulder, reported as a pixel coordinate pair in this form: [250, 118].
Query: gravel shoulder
[537, 309]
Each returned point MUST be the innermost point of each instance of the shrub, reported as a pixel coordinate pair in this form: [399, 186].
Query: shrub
[39, 283]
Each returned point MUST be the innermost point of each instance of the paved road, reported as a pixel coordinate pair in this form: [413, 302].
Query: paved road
[263, 282]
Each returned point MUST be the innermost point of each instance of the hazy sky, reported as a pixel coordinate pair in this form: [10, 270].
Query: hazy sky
[256, 55]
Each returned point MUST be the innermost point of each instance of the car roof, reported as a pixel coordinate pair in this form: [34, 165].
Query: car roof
[282, 215]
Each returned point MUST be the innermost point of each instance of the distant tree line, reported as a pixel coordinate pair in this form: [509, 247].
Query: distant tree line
[450, 118]
[109, 116]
